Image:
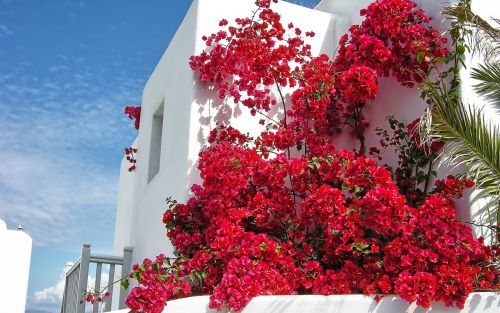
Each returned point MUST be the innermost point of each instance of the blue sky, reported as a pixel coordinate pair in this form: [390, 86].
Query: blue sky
[67, 69]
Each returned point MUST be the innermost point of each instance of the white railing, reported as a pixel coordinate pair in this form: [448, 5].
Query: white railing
[78, 275]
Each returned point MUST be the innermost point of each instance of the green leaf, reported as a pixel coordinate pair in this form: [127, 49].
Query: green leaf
[488, 76]
[460, 49]
[204, 275]
[198, 275]
[163, 277]
[192, 276]
[439, 59]
[361, 247]
[420, 56]
[167, 262]
[124, 283]
[314, 163]
[351, 211]
[449, 57]
[137, 275]
[329, 159]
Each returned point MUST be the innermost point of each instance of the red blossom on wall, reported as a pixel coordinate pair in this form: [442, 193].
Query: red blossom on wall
[324, 221]
[134, 113]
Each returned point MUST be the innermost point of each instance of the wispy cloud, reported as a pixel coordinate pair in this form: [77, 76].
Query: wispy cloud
[5, 30]
[52, 196]
[61, 141]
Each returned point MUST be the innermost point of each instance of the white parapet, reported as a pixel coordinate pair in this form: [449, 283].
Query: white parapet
[15, 256]
[484, 302]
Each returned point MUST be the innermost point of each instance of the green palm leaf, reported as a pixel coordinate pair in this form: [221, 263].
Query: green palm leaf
[471, 141]
[488, 76]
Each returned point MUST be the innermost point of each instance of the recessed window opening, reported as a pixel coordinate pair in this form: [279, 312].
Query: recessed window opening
[155, 145]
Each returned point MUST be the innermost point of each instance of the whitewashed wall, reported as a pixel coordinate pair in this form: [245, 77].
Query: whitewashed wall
[189, 111]
[15, 256]
[486, 302]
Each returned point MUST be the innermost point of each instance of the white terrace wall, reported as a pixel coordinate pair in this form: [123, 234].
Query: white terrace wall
[15, 257]
[177, 112]
[484, 302]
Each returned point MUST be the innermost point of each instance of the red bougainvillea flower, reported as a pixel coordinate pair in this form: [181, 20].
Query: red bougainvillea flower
[288, 213]
[134, 113]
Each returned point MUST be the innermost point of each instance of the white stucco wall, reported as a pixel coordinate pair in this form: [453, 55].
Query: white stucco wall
[125, 204]
[486, 302]
[189, 110]
[15, 256]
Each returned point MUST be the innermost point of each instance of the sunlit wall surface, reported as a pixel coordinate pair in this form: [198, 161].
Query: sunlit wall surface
[15, 255]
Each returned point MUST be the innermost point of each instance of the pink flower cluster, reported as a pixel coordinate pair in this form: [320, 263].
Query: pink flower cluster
[94, 297]
[157, 285]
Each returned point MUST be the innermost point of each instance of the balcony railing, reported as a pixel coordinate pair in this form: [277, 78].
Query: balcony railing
[78, 275]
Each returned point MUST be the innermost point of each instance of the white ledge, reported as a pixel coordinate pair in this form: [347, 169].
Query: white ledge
[478, 302]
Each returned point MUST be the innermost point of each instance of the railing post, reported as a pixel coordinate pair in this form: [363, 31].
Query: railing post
[65, 296]
[97, 286]
[127, 263]
[111, 279]
[84, 275]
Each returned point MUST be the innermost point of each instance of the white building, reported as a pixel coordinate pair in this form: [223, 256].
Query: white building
[177, 112]
[15, 257]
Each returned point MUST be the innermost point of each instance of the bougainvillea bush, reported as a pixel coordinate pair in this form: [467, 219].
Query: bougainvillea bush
[287, 212]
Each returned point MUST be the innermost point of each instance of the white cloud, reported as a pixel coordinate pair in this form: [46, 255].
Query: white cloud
[5, 30]
[50, 298]
[52, 294]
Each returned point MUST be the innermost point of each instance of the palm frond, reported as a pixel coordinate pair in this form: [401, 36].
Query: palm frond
[487, 216]
[481, 35]
[488, 76]
[471, 141]
[463, 13]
